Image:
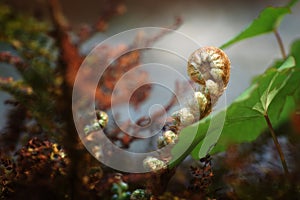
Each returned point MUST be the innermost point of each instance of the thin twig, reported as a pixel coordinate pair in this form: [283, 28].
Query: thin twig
[278, 147]
[163, 32]
[145, 120]
[70, 60]
[280, 43]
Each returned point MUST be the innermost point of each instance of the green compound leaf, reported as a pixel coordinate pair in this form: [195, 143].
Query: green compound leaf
[269, 94]
[268, 20]
[275, 92]
[243, 123]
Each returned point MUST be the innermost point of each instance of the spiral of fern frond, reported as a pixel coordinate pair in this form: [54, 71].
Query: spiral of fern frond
[209, 68]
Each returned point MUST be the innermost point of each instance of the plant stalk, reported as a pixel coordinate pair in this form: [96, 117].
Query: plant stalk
[174, 163]
[278, 147]
[280, 43]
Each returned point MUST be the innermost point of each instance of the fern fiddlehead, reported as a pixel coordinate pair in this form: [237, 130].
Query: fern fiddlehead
[209, 68]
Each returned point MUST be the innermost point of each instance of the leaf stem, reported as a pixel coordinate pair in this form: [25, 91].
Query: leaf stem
[278, 147]
[280, 43]
[174, 163]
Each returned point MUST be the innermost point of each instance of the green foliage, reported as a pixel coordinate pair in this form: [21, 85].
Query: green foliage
[120, 191]
[268, 21]
[269, 94]
[36, 55]
[13, 26]
[139, 194]
[295, 49]
[274, 93]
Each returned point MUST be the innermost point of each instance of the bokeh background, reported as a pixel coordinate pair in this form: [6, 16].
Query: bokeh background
[207, 22]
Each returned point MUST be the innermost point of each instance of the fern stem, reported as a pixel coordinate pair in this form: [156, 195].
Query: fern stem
[175, 163]
[280, 43]
[278, 147]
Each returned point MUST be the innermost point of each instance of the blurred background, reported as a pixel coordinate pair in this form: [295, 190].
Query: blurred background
[209, 23]
[204, 23]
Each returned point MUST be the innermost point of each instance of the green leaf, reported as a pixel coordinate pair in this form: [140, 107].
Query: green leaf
[268, 95]
[290, 62]
[243, 125]
[258, 106]
[188, 140]
[295, 52]
[268, 20]
[292, 3]
[274, 92]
